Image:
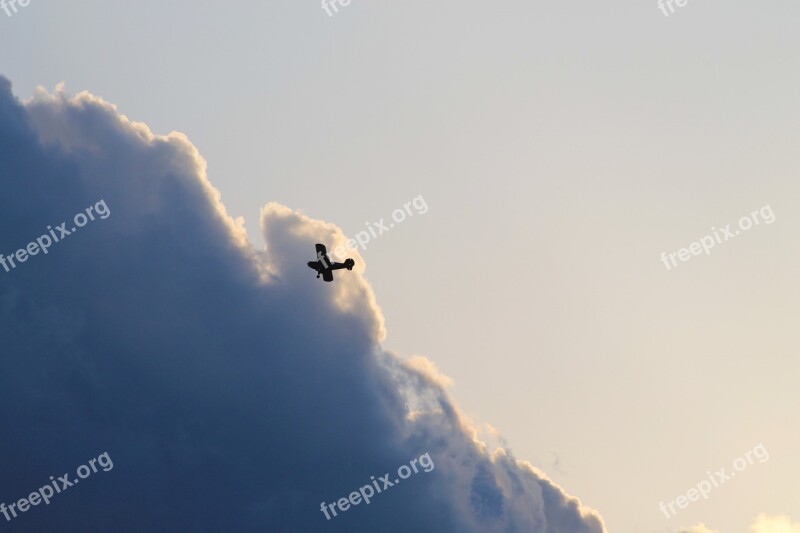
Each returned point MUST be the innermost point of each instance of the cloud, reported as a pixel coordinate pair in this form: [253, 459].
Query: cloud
[233, 391]
[763, 524]
[775, 524]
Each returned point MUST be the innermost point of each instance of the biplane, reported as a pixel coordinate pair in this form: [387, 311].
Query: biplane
[323, 264]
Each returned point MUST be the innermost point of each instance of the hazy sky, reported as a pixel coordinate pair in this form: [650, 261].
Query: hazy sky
[560, 148]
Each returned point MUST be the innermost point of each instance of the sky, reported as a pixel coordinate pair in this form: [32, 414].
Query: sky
[524, 320]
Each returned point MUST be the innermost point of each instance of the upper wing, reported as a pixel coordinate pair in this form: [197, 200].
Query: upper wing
[322, 256]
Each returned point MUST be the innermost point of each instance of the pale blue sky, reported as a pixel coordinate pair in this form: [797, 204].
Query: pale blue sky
[561, 147]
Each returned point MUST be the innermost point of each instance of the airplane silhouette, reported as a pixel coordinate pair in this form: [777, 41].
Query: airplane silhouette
[324, 267]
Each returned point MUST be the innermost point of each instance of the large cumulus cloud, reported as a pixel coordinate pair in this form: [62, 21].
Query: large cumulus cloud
[231, 390]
